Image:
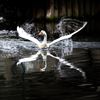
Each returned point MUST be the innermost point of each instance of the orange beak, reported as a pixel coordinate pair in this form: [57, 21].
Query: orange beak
[40, 33]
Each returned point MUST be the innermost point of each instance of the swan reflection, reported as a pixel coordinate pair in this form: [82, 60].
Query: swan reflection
[40, 61]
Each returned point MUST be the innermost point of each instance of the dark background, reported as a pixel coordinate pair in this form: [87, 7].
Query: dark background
[17, 12]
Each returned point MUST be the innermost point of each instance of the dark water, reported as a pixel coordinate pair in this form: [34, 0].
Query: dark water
[69, 76]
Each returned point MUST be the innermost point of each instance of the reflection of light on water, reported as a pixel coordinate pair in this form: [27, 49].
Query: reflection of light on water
[69, 47]
[66, 47]
[63, 61]
[35, 63]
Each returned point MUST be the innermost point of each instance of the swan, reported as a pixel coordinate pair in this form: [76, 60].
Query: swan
[23, 34]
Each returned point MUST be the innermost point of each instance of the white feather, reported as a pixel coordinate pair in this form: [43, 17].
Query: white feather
[44, 43]
[27, 36]
[66, 36]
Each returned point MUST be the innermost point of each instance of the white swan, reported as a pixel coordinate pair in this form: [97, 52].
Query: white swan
[44, 43]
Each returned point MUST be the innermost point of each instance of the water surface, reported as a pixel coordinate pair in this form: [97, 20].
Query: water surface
[71, 75]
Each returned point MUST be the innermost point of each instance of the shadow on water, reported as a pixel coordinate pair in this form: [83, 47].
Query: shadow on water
[67, 73]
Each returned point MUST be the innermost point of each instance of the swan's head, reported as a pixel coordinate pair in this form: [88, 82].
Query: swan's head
[44, 41]
[42, 33]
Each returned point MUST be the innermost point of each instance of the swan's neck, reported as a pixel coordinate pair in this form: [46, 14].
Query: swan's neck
[45, 39]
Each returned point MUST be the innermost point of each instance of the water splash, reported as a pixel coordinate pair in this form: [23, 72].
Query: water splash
[68, 25]
[67, 28]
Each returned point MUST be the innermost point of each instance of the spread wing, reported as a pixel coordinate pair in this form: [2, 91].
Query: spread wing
[68, 25]
[27, 36]
[69, 35]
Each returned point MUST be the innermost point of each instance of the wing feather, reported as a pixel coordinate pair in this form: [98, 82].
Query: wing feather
[67, 36]
[27, 36]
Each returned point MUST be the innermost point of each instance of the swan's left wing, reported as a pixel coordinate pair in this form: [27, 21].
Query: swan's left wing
[67, 36]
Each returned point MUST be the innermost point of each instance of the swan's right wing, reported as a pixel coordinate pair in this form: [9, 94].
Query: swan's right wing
[27, 36]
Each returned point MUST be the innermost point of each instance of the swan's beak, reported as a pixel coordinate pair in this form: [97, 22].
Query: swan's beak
[36, 35]
[40, 33]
